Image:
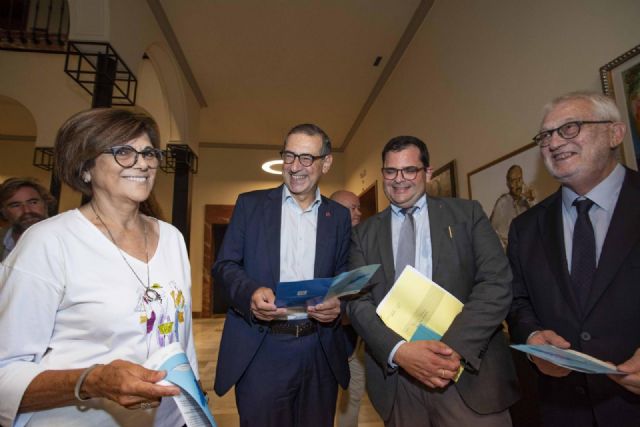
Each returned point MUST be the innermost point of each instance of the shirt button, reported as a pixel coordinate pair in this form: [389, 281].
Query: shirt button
[585, 336]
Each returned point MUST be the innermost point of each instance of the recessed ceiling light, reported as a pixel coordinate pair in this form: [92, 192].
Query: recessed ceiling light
[268, 167]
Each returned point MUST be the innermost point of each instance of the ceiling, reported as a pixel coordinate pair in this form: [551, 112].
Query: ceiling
[260, 67]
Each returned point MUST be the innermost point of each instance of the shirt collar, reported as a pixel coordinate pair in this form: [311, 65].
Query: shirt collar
[8, 240]
[287, 197]
[420, 204]
[605, 194]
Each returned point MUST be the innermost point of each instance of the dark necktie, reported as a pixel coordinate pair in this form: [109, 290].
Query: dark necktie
[406, 254]
[583, 256]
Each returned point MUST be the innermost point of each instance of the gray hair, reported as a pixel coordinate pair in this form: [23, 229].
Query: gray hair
[603, 106]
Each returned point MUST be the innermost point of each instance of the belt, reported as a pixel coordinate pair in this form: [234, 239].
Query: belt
[300, 329]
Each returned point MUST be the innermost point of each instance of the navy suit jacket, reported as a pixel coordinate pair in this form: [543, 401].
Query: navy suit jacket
[250, 258]
[608, 328]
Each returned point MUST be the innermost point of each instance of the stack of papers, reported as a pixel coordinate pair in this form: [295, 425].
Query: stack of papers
[417, 308]
[569, 359]
[297, 296]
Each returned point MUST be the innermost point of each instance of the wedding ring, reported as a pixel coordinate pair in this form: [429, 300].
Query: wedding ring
[145, 405]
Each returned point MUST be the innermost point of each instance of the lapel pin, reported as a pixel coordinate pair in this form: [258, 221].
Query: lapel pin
[327, 214]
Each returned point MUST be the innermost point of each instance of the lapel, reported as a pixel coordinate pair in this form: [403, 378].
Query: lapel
[324, 242]
[438, 223]
[622, 235]
[273, 219]
[385, 245]
[551, 231]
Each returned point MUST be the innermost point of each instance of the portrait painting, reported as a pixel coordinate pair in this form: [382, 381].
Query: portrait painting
[443, 181]
[620, 79]
[509, 185]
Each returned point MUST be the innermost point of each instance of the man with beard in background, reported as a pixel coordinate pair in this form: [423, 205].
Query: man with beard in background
[23, 202]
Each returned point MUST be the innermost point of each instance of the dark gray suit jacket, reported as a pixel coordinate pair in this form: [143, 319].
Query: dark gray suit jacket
[472, 266]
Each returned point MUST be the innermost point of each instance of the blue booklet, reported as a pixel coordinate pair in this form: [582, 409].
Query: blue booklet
[297, 296]
[569, 359]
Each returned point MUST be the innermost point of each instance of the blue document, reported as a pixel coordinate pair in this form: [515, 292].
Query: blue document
[304, 293]
[423, 333]
[569, 359]
[192, 402]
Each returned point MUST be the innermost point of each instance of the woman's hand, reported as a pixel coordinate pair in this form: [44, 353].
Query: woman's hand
[128, 384]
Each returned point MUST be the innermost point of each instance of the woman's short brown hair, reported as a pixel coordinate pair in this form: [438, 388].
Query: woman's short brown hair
[87, 134]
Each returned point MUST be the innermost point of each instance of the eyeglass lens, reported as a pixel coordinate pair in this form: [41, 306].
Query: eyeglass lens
[127, 156]
[305, 159]
[408, 173]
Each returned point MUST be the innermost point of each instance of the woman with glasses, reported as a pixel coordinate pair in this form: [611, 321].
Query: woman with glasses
[88, 295]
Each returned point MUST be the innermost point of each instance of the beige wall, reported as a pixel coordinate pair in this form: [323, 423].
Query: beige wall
[474, 79]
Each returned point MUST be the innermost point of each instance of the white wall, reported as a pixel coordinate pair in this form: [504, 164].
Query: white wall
[474, 79]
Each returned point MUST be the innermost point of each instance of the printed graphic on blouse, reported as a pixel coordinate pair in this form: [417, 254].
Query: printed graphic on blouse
[163, 316]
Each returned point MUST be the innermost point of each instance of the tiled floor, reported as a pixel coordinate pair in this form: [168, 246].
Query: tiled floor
[207, 334]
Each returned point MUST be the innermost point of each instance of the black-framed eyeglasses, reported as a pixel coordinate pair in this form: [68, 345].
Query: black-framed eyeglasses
[409, 173]
[305, 159]
[566, 131]
[127, 156]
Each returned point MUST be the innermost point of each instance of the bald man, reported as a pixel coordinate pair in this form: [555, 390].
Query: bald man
[351, 202]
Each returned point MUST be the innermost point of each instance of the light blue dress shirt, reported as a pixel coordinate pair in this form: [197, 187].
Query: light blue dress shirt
[298, 238]
[605, 196]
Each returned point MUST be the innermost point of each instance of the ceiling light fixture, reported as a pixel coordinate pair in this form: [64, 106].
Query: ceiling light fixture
[268, 167]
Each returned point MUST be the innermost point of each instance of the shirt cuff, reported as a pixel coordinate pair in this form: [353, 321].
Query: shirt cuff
[390, 361]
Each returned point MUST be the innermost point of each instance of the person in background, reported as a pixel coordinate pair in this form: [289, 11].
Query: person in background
[575, 258]
[285, 372]
[450, 241]
[23, 202]
[349, 399]
[88, 295]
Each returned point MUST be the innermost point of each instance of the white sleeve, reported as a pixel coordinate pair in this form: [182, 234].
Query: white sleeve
[29, 301]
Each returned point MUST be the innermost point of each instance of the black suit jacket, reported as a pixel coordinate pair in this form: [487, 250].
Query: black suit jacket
[608, 328]
[250, 258]
[468, 261]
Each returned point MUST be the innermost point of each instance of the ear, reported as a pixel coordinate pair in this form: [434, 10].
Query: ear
[326, 163]
[618, 130]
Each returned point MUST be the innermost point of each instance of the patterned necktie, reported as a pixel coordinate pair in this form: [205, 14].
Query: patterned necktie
[583, 256]
[406, 254]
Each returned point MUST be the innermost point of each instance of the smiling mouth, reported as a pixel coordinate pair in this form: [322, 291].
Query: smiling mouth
[137, 178]
[562, 156]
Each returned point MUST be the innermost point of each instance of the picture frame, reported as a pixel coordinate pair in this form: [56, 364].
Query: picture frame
[444, 181]
[488, 185]
[620, 79]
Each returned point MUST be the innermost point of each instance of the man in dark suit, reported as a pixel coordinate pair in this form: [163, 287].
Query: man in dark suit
[576, 264]
[411, 383]
[286, 372]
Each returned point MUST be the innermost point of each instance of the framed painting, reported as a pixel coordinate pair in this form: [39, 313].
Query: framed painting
[443, 181]
[620, 79]
[509, 185]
